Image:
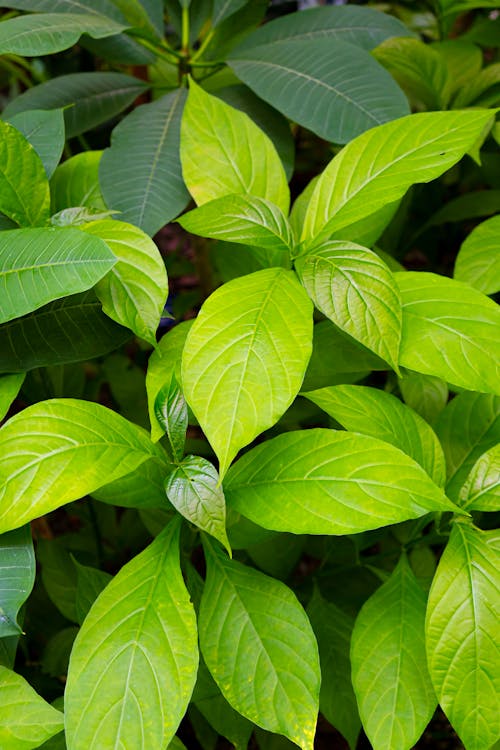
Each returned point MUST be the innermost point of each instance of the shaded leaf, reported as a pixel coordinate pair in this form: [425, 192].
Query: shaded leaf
[10, 386]
[45, 131]
[17, 563]
[425, 394]
[58, 576]
[90, 582]
[141, 488]
[76, 183]
[478, 260]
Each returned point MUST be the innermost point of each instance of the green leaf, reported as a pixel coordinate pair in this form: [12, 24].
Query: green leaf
[257, 642]
[135, 291]
[425, 394]
[40, 265]
[133, 665]
[58, 576]
[461, 629]
[373, 412]
[379, 166]
[321, 481]
[342, 101]
[97, 7]
[47, 33]
[337, 701]
[172, 414]
[232, 260]
[467, 428]
[36, 721]
[76, 183]
[463, 60]
[450, 330]
[471, 93]
[194, 490]
[140, 173]
[478, 260]
[45, 131]
[90, 582]
[244, 219]
[389, 672]
[141, 488]
[24, 189]
[222, 9]
[17, 563]
[78, 215]
[355, 289]
[69, 330]
[57, 451]
[10, 386]
[94, 98]
[164, 363]
[245, 358]
[224, 152]
[146, 15]
[481, 490]
[463, 207]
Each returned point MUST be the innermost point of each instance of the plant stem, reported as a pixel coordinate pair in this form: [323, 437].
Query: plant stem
[185, 31]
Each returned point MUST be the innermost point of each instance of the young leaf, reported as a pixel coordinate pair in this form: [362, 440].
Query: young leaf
[58, 576]
[78, 215]
[172, 414]
[379, 166]
[478, 260]
[94, 98]
[341, 101]
[481, 490]
[461, 629]
[45, 131]
[389, 671]
[40, 265]
[194, 490]
[467, 428]
[27, 728]
[133, 665]
[47, 33]
[355, 289]
[10, 386]
[327, 482]
[373, 412]
[140, 173]
[57, 451]
[245, 358]
[24, 189]
[450, 330]
[224, 152]
[76, 183]
[337, 702]
[258, 644]
[90, 582]
[17, 563]
[72, 329]
[135, 292]
[425, 394]
[244, 219]
[164, 363]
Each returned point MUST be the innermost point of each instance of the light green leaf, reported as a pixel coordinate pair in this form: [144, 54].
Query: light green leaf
[76, 183]
[194, 490]
[60, 450]
[479, 85]
[171, 413]
[133, 665]
[355, 289]
[90, 582]
[58, 576]
[463, 60]
[17, 563]
[245, 358]
[379, 166]
[140, 173]
[337, 701]
[146, 15]
[89, 99]
[72, 329]
[163, 362]
[40, 265]
[461, 629]
[321, 481]
[47, 33]
[24, 189]
[467, 428]
[141, 488]
[478, 260]
[244, 219]
[36, 721]
[450, 330]
[389, 672]
[481, 490]
[224, 152]
[10, 386]
[373, 412]
[425, 394]
[78, 215]
[135, 291]
[341, 102]
[45, 131]
[257, 642]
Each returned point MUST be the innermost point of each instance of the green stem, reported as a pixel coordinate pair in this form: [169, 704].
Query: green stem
[203, 46]
[160, 50]
[185, 31]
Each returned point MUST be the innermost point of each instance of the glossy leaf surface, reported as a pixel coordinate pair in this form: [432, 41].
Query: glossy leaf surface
[133, 665]
[242, 612]
[17, 566]
[45, 131]
[245, 358]
[478, 260]
[327, 482]
[172, 414]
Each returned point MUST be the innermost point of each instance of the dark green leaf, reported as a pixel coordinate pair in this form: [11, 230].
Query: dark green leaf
[45, 131]
[90, 582]
[172, 414]
[58, 576]
[17, 564]
[9, 388]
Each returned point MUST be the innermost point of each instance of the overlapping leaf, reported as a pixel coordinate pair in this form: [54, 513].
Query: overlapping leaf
[481, 490]
[76, 183]
[9, 388]
[17, 565]
[478, 260]
[425, 394]
[45, 131]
